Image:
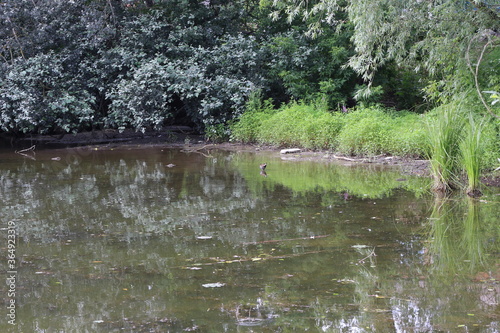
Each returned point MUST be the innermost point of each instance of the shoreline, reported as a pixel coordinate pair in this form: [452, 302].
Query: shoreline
[184, 138]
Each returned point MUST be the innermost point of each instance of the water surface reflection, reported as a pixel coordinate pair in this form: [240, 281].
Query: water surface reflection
[117, 240]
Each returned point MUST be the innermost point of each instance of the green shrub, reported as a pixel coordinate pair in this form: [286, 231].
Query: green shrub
[366, 131]
[217, 132]
[407, 135]
[373, 130]
[39, 95]
[491, 143]
[246, 127]
[308, 125]
[321, 132]
[285, 128]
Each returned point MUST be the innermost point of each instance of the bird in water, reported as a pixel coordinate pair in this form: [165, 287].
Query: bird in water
[263, 169]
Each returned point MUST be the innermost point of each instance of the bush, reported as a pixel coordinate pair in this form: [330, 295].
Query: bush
[407, 135]
[286, 127]
[321, 132]
[40, 95]
[491, 143]
[301, 124]
[144, 99]
[246, 127]
[371, 131]
[366, 131]
[217, 132]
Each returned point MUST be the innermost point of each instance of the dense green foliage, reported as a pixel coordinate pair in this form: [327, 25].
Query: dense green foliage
[436, 39]
[365, 131]
[96, 64]
[93, 64]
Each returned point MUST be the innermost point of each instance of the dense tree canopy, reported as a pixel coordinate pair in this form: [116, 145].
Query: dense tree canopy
[79, 65]
[431, 38]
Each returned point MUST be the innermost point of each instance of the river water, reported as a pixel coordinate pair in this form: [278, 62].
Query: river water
[119, 240]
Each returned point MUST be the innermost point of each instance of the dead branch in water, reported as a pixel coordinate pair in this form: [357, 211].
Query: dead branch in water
[198, 150]
[285, 240]
[218, 261]
[24, 152]
[372, 254]
[32, 148]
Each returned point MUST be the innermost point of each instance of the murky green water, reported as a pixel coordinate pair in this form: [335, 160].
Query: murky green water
[116, 241]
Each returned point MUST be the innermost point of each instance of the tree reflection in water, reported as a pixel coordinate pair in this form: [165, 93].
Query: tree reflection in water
[115, 240]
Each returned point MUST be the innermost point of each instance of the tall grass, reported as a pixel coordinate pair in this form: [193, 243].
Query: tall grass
[248, 126]
[371, 131]
[444, 131]
[364, 131]
[471, 148]
[302, 124]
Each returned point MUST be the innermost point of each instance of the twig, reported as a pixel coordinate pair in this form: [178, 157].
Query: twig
[285, 240]
[372, 254]
[28, 156]
[240, 260]
[32, 148]
[197, 149]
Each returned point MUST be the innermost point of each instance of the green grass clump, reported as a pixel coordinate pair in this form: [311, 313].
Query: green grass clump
[285, 128]
[248, 125]
[407, 135]
[490, 138]
[321, 131]
[444, 132]
[301, 124]
[372, 131]
[365, 131]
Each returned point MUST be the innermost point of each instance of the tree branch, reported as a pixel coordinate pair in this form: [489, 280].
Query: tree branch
[475, 72]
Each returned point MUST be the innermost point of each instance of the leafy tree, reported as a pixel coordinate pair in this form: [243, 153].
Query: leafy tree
[45, 51]
[311, 68]
[71, 66]
[431, 38]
